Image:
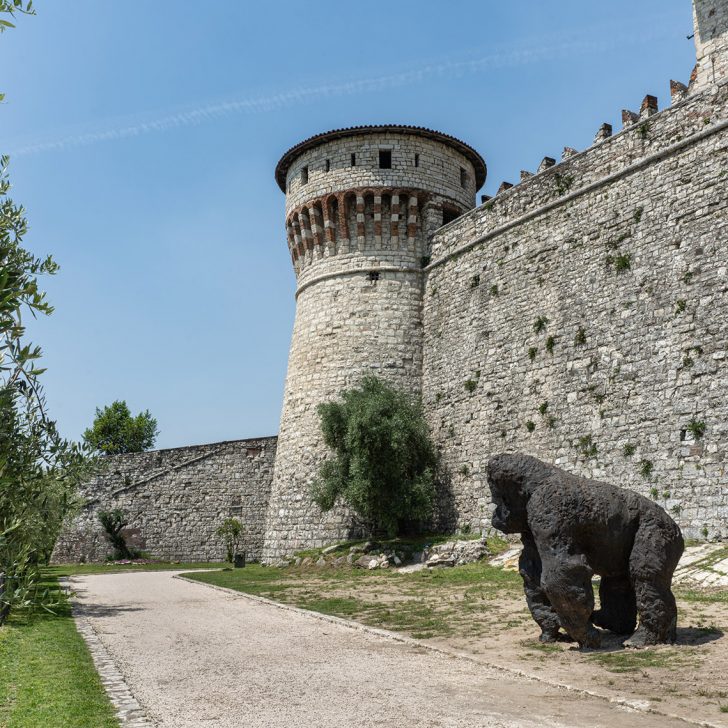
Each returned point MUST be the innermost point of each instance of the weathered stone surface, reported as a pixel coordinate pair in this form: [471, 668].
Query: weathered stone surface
[363, 562]
[572, 528]
[617, 257]
[175, 500]
[440, 560]
[458, 553]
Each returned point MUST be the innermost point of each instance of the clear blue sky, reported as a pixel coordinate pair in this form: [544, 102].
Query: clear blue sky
[144, 136]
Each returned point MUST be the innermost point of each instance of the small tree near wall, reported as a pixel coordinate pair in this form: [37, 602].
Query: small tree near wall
[383, 461]
[113, 522]
[231, 533]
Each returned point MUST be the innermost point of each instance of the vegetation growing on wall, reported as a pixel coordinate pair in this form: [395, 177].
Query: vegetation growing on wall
[113, 523]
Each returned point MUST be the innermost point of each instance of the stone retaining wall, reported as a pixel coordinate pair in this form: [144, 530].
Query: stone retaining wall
[175, 500]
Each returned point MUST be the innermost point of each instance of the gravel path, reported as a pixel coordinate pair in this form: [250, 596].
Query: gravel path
[196, 656]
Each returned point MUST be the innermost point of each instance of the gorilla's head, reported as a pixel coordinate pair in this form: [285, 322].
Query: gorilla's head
[512, 478]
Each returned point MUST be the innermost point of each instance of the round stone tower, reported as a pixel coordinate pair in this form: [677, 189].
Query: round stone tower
[361, 205]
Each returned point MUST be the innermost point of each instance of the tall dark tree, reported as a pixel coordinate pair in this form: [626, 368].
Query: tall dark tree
[383, 460]
[115, 431]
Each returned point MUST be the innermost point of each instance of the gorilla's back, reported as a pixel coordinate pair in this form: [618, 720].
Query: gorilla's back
[596, 519]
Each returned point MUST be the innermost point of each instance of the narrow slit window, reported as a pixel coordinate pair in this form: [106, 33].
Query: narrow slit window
[417, 160]
[385, 159]
[304, 175]
[353, 160]
[328, 165]
[463, 177]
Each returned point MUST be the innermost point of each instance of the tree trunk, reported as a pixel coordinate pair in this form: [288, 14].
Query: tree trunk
[4, 608]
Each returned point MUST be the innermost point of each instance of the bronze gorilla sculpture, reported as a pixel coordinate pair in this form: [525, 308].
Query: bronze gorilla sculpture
[572, 528]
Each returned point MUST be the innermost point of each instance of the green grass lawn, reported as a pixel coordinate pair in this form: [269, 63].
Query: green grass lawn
[424, 604]
[47, 678]
[112, 568]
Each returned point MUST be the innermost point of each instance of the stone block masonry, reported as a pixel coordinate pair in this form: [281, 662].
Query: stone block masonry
[175, 500]
[361, 204]
[578, 316]
[582, 317]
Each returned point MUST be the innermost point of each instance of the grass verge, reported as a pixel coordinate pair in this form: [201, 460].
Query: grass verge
[47, 677]
[634, 660]
[59, 570]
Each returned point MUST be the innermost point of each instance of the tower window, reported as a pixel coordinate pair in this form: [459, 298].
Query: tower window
[373, 275]
[385, 159]
[353, 160]
[304, 175]
[463, 177]
[417, 160]
[449, 214]
[328, 165]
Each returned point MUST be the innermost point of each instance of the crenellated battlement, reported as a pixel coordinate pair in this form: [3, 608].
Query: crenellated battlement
[645, 135]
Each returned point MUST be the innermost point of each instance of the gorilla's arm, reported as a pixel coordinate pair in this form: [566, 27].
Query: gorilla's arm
[529, 567]
[566, 579]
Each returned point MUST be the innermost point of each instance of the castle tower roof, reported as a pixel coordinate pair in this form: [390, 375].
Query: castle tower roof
[465, 149]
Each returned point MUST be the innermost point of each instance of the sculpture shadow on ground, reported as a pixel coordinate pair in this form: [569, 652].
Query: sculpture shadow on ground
[685, 637]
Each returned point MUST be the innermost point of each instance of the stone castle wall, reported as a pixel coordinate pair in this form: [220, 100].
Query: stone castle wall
[579, 316]
[582, 317]
[175, 500]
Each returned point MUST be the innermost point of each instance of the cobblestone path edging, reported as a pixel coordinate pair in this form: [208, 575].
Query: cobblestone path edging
[128, 711]
[632, 705]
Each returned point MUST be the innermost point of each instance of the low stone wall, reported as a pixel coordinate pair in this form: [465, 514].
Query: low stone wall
[175, 500]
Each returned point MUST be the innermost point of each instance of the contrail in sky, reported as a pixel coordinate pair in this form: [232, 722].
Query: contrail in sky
[125, 127]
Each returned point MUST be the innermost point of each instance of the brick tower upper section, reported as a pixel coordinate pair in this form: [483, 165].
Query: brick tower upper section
[373, 193]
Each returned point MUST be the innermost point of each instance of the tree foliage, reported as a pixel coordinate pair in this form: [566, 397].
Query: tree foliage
[39, 470]
[383, 460]
[231, 532]
[115, 431]
[13, 8]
